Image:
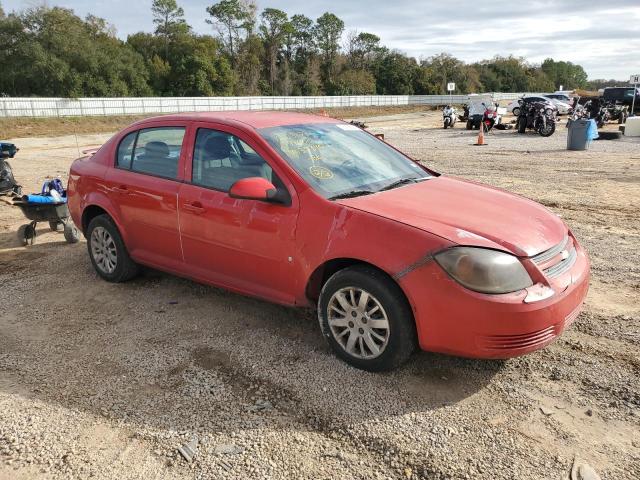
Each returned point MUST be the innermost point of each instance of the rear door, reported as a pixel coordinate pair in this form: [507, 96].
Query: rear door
[246, 245]
[144, 188]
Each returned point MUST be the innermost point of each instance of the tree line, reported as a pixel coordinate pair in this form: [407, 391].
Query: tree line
[53, 52]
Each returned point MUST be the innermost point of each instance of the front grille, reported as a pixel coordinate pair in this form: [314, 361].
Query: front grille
[552, 252]
[563, 266]
[558, 259]
[515, 342]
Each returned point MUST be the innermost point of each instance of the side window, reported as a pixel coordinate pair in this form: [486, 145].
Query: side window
[157, 151]
[125, 151]
[221, 159]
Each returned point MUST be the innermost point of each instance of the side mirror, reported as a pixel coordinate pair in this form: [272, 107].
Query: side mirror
[254, 188]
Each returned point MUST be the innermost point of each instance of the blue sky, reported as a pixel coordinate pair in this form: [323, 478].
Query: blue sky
[604, 37]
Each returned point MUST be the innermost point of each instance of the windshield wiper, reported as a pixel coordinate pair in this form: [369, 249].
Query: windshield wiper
[351, 194]
[401, 182]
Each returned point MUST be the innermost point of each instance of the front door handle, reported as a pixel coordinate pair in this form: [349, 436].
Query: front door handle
[194, 207]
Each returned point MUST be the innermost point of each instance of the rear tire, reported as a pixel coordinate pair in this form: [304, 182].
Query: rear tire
[516, 111]
[107, 251]
[350, 329]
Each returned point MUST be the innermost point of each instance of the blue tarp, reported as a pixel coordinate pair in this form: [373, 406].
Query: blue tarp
[42, 199]
[592, 130]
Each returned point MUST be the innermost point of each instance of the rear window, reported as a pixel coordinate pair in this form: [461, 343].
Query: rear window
[125, 151]
[154, 151]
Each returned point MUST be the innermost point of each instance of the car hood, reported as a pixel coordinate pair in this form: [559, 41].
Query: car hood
[468, 213]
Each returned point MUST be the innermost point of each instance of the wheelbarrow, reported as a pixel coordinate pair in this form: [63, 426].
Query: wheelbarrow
[56, 214]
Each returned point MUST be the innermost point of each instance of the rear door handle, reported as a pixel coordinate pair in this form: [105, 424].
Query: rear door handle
[121, 189]
[194, 207]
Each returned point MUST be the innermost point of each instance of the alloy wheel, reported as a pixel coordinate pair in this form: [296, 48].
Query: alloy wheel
[358, 322]
[103, 250]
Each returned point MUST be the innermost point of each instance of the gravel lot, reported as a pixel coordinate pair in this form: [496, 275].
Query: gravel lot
[107, 381]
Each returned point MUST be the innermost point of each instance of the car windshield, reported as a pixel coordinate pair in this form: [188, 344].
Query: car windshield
[339, 159]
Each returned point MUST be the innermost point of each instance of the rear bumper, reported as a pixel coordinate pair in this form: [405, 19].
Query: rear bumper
[451, 319]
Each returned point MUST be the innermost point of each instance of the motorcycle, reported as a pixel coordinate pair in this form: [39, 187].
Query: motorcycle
[8, 184]
[597, 110]
[449, 116]
[490, 118]
[539, 116]
[618, 113]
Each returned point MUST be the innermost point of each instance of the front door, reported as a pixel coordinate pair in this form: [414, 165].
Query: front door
[244, 245]
[144, 188]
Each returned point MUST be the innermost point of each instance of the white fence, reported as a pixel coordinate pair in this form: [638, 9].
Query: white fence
[66, 107]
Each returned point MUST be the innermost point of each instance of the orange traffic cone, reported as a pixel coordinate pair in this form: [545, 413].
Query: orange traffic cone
[481, 136]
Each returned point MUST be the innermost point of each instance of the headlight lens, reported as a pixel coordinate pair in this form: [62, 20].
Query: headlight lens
[484, 270]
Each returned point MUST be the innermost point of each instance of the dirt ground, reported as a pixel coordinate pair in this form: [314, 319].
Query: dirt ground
[107, 381]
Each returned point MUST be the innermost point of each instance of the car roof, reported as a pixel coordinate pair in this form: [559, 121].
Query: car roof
[255, 119]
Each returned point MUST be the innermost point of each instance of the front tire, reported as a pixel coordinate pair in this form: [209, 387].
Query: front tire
[548, 130]
[522, 125]
[366, 319]
[516, 111]
[107, 251]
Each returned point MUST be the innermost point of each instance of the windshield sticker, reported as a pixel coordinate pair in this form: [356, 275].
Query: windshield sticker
[347, 126]
[321, 172]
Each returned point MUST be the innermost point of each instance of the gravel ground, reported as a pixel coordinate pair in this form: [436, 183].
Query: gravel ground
[108, 381]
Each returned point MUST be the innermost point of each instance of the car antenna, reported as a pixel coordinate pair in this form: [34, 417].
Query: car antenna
[75, 133]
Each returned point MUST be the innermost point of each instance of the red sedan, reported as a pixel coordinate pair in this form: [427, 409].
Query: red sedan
[310, 211]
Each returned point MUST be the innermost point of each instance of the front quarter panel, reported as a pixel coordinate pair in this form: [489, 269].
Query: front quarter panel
[329, 231]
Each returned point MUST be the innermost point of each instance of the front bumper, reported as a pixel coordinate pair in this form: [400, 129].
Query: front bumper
[452, 319]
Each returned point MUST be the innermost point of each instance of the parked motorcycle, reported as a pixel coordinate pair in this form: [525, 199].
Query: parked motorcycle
[618, 113]
[490, 118]
[8, 184]
[597, 110]
[539, 116]
[449, 116]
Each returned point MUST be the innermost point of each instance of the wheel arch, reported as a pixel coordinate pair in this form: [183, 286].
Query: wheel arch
[94, 209]
[324, 271]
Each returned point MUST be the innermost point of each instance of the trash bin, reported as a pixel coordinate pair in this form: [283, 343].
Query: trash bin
[577, 137]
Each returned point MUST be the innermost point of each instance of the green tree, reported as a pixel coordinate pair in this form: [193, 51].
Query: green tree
[327, 33]
[361, 48]
[191, 68]
[440, 70]
[565, 74]
[504, 74]
[355, 82]
[274, 28]
[395, 74]
[169, 20]
[52, 52]
[306, 66]
[230, 18]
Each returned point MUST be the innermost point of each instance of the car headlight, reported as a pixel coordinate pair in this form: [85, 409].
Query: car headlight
[484, 270]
